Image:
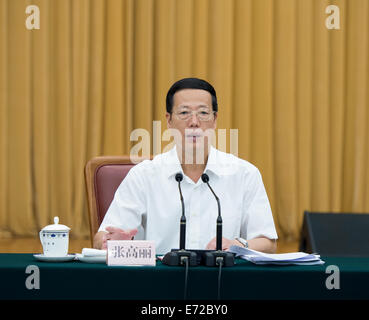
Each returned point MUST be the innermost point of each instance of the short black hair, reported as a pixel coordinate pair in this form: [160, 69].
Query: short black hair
[191, 83]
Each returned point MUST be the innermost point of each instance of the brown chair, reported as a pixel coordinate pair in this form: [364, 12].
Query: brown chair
[103, 176]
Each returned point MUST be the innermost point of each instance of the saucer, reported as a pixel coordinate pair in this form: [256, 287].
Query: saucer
[42, 257]
[95, 259]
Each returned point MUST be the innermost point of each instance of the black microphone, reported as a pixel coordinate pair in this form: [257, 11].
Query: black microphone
[181, 256]
[182, 231]
[213, 258]
[205, 179]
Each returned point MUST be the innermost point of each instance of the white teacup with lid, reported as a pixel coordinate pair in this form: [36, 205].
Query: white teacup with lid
[55, 239]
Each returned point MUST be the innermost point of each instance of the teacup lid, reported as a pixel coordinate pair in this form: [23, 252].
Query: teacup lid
[56, 226]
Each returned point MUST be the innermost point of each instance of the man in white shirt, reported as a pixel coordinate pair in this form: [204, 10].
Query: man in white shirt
[147, 203]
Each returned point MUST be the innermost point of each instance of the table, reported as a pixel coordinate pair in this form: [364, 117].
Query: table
[245, 281]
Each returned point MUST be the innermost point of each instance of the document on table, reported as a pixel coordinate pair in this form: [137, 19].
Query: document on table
[257, 257]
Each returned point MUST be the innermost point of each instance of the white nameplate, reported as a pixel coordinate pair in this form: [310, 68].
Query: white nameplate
[131, 253]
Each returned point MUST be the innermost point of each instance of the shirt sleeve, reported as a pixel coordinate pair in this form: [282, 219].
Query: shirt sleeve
[128, 205]
[257, 220]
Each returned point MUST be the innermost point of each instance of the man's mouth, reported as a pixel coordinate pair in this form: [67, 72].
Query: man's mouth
[193, 137]
[194, 134]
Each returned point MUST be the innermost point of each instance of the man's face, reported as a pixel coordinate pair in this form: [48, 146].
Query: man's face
[192, 115]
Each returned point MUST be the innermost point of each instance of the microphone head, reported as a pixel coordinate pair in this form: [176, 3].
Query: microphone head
[179, 177]
[205, 178]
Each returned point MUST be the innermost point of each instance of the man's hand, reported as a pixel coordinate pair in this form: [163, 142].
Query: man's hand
[259, 244]
[117, 234]
[226, 243]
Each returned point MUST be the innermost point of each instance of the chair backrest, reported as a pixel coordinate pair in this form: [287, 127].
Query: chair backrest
[335, 234]
[103, 176]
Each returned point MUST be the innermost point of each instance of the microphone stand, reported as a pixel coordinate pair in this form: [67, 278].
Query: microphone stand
[181, 256]
[217, 257]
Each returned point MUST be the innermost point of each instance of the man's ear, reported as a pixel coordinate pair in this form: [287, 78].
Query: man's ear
[215, 119]
[168, 116]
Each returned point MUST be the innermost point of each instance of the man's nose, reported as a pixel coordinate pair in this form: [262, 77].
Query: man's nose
[194, 121]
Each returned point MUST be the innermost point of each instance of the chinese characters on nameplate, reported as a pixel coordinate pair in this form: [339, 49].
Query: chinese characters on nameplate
[131, 253]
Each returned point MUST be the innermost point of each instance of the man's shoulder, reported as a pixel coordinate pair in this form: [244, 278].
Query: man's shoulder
[153, 164]
[142, 166]
[230, 160]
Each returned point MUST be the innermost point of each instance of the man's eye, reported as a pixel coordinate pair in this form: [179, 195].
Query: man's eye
[204, 113]
[184, 113]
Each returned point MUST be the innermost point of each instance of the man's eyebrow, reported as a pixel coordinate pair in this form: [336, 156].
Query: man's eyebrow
[200, 106]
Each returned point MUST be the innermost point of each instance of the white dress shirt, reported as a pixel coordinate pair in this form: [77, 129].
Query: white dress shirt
[148, 199]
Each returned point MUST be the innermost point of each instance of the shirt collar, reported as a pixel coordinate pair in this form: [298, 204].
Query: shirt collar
[174, 166]
[213, 163]
[172, 163]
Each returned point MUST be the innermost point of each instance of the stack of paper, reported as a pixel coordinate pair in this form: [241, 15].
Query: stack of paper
[257, 257]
